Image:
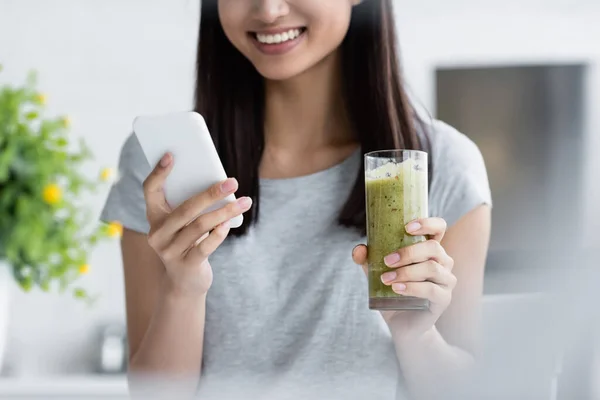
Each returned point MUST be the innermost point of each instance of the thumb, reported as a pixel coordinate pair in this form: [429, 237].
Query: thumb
[359, 255]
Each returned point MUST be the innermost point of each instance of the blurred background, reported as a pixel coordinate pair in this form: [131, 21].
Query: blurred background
[520, 77]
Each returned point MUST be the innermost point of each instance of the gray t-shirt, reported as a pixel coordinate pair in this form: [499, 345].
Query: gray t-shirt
[287, 315]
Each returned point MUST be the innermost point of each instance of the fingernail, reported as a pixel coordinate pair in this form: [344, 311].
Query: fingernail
[391, 259]
[165, 160]
[413, 227]
[229, 185]
[388, 276]
[398, 287]
[244, 203]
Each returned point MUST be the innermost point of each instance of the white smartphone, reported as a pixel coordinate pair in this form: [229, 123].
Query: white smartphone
[197, 163]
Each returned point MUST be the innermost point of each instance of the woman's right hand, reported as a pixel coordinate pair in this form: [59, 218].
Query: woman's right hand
[182, 242]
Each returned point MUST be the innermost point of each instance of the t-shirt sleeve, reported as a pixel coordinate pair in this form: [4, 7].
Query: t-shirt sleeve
[460, 181]
[125, 202]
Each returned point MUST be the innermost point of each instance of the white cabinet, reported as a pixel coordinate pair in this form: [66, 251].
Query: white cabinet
[65, 387]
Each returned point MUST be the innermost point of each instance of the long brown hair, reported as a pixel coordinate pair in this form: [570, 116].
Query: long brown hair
[230, 95]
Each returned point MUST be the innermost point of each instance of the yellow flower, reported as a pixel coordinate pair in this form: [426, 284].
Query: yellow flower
[40, 98]
[52, 193]
[65, 121]
[115, 229]
[106, 174]
[84, 269]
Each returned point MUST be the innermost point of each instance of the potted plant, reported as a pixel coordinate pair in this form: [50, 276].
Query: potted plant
[46, 231]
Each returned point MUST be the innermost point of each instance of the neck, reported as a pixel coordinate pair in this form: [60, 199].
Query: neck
[307, 112]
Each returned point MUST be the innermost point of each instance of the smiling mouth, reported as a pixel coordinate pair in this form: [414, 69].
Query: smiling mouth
[278, 38]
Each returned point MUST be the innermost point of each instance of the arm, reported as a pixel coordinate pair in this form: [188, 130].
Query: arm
[445, 354]
[165, 327]
[167, 276]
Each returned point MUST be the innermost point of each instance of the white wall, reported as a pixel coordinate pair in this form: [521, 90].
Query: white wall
[508, 32]
[105, 62]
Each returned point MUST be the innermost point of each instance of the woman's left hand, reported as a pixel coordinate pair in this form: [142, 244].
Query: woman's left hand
[422, 270]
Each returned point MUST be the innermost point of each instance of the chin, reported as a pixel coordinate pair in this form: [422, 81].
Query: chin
[275, 72]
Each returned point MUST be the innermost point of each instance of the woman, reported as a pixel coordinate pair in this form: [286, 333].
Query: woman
[294, 93]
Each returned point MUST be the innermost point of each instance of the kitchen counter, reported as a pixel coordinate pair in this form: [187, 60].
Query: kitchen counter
[65, 387]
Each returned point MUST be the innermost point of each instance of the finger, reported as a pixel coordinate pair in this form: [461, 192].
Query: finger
[432, 227]
[424, 290]
[418, 253]
[189, 235]
[192, 207]
[428, 271]
[359, 256]
[207, 246]
[156, 204]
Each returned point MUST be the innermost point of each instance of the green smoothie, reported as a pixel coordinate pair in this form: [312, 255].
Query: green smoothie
[396, 194]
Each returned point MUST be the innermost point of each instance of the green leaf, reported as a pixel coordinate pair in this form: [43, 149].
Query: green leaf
[7, 156]
[93, 239]
[31, 78]
[45, 286]
[26, 283]
[32, 115]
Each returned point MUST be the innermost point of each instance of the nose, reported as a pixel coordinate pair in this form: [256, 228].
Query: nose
[269, 11]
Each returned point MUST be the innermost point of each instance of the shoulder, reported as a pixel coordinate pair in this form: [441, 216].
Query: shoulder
[459, 175]
[125, 202]
[132, 161]
[452, 148]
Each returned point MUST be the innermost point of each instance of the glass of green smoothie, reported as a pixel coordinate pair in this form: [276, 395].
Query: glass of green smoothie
[396, 185]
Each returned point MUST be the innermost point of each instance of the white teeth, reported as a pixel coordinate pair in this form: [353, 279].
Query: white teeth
[278, 38]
